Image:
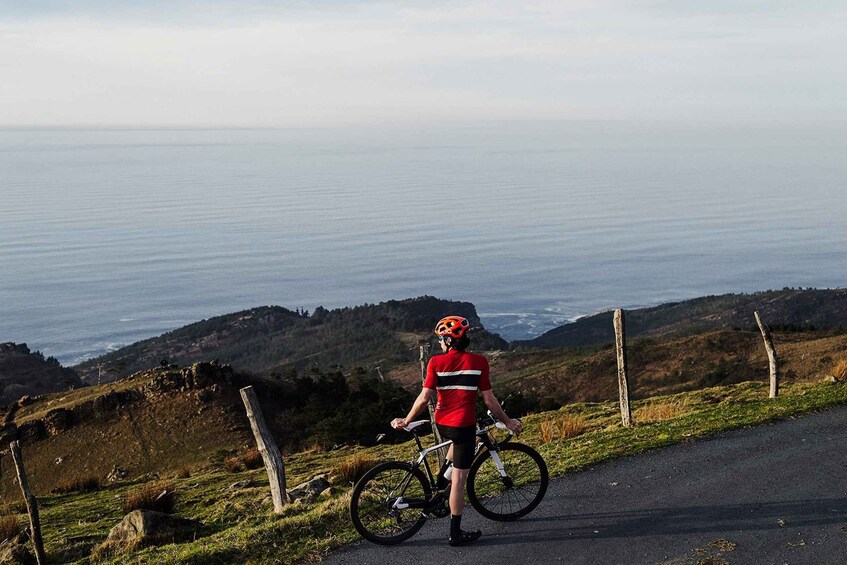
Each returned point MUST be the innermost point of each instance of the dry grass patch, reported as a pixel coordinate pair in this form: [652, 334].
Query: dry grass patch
[184, 472]
[234, 464]
[839, 370]
[160, 497]
[252, 459]
[562, 427]
[351, 469]
[10, 527]
[660, 410]
[78, 484]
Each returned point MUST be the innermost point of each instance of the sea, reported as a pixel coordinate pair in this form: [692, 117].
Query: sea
[110, 236]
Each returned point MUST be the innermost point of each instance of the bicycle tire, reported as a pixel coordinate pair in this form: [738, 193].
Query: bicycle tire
[509, 498]
[371, 504]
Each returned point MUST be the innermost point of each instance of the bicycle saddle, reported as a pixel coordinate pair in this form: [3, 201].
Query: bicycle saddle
[413, 425]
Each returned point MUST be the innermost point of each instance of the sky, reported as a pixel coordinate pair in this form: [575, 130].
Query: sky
[253, 63]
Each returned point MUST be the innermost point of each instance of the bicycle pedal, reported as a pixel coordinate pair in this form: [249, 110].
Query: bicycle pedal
[437, 507]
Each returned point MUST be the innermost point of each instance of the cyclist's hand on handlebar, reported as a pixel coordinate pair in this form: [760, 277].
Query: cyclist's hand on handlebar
[514, 426]
[398, 423]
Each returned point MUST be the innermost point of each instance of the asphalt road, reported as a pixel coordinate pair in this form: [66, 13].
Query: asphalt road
[773, 494]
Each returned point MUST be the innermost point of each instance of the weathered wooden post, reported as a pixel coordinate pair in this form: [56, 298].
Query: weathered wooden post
[435, 432]
[773, 361]
[267, 447]
[623, 384]
[31, 503]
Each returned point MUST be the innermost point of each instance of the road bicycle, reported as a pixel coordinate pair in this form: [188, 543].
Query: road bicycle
[393, 500]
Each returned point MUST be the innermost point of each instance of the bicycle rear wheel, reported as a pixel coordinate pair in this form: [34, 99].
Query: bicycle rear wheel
[387, 502]
[518, 493]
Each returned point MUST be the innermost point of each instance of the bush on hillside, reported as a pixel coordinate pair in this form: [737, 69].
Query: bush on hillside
[159, 497]
[351, 469]
[10, 527]
[77, 484]
[253, 459]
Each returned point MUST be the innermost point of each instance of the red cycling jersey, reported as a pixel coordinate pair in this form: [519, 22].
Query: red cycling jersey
[457, 376]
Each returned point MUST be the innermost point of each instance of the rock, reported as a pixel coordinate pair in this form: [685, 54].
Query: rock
[142, 528]
[16, 554]
[57, 420]
[25, 400]
[239, 484]
[310, 490]
[830, 379]
[116, 474]
[326, 493]
[59, 461]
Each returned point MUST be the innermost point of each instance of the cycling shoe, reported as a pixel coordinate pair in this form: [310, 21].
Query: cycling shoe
[464, 538]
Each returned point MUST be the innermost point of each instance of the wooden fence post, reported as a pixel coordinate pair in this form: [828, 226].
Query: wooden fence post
[773, 361]
[267, 447]
[31, 503]
[623, 385]
[442, 455]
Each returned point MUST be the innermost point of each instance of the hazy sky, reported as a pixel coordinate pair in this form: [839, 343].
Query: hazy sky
[255, 63]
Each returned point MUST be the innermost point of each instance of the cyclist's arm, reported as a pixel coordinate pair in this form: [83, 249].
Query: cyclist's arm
[421, 401]
[494, 405]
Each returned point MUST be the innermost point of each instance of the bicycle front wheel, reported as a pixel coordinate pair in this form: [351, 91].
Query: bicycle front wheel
[387, 502]
[506, 498]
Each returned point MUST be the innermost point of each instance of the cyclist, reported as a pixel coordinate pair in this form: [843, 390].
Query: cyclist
[457, 377]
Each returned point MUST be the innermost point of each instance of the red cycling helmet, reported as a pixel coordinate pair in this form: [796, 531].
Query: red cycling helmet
[452, 326]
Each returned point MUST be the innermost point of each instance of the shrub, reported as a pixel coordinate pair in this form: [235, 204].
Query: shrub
[160, 497]
[10, 527]
[78, 484]
[655, 411]
[351, 469]
[252, 459]
[234, 464]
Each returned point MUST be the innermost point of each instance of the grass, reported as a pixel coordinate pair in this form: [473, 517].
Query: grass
[241, 526]
[657, 410]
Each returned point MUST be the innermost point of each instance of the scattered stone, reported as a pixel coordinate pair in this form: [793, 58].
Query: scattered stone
[723, 545]
[326, 493]
[59, 461]
[25, 400]
[142, 528]
[116, 474]
[239, 484]
[310, 490]
[830, 379]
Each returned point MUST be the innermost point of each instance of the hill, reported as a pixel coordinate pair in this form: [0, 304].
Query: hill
[783, 309]
[163, 419]
[23, 372]
[275, 340]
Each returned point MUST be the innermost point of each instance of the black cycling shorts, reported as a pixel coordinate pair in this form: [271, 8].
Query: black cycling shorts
[464, 444]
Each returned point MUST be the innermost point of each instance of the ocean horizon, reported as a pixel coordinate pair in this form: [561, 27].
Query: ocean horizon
[110, 236]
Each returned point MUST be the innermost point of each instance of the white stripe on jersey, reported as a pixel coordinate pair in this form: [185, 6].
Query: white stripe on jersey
[457, 387]
[455, 373]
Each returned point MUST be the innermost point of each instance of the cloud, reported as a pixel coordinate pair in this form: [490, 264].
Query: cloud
[254, 63]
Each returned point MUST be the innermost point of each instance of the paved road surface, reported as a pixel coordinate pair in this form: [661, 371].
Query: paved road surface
[774, 494]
